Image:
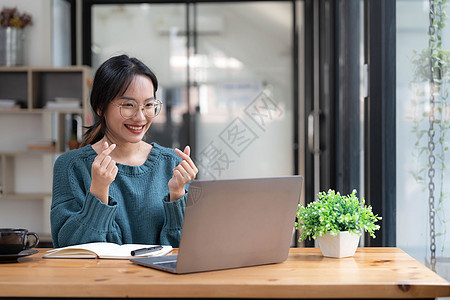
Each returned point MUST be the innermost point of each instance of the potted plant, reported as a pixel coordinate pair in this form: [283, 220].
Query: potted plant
[337, 222]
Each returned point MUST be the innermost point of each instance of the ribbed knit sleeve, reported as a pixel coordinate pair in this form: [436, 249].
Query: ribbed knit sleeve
[173, 221]
[76, 215]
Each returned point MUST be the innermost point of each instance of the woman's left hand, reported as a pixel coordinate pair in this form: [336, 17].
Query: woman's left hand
[182, 174]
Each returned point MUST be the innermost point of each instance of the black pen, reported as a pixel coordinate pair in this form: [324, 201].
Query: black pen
[145, 250]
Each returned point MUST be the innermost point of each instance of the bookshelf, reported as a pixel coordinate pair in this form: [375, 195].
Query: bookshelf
[41, 110]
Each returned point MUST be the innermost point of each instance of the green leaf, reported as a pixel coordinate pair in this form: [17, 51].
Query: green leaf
[333, 212]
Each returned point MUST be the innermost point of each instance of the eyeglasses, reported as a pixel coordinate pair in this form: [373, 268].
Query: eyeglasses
[129, 108]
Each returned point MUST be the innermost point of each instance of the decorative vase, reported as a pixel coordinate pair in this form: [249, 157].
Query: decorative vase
[343, 244]
[11, 46]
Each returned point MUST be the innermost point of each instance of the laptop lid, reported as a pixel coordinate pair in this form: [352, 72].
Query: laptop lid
[230, 223]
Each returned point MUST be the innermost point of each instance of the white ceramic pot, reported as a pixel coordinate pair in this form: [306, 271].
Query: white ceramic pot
[344, 244]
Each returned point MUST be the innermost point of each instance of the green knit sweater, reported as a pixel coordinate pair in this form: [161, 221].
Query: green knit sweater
[139, 210]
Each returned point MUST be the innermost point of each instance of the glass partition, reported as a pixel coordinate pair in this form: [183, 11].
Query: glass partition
[226, 78]
[423, 202]
[243, 71]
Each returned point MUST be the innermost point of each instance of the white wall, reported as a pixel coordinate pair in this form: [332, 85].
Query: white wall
[37, 44]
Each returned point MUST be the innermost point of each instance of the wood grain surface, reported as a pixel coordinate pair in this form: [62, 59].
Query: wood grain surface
[371, 273]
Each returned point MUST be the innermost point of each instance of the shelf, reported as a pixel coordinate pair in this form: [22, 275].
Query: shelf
[14, 69]
[26, 175]
[37, 119]
[48, 85]
[34, 87]
[29, 153]
[41, 111]
[43, 69]
[27, 196]
[14, 85]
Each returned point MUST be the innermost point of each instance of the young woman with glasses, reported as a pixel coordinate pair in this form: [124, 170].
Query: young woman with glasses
[116, 187]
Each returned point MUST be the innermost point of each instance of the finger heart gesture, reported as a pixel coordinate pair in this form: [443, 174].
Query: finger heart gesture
[103, 173]
[183, 173]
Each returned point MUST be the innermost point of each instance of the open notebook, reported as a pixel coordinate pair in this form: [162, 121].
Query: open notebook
[104, 250]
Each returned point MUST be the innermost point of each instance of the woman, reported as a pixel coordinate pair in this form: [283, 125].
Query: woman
[118, 188]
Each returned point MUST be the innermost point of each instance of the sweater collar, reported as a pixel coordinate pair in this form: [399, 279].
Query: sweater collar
[134, 170]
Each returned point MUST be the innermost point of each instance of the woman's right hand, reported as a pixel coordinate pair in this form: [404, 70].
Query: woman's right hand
[103, 173]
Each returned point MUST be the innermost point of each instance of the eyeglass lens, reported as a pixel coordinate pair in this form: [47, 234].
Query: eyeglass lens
[129, 108]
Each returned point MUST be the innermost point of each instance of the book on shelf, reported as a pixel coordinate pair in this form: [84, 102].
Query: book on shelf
[10, 104]
[41, 145]
[63, 103]
[104, 250]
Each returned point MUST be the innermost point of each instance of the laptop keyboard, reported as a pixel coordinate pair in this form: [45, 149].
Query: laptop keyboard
[169, 264]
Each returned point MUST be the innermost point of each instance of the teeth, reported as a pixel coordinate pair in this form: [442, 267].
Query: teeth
[135, 127]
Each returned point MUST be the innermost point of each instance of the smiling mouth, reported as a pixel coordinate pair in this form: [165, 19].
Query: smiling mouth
[135, 127]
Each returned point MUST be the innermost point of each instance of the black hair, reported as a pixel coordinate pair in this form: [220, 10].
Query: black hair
[112, 79]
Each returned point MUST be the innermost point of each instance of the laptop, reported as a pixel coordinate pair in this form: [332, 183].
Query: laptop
[233, 223]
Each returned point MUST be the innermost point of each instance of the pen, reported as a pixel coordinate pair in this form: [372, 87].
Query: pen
[145, 250]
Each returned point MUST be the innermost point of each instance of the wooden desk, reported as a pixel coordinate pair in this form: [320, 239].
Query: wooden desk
[371, 273]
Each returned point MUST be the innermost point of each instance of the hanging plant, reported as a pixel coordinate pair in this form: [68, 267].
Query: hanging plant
[431, 121]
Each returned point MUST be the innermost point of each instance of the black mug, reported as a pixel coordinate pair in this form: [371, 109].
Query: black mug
[14, 240]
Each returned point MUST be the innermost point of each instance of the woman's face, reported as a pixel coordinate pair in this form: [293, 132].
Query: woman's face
[121, 130]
